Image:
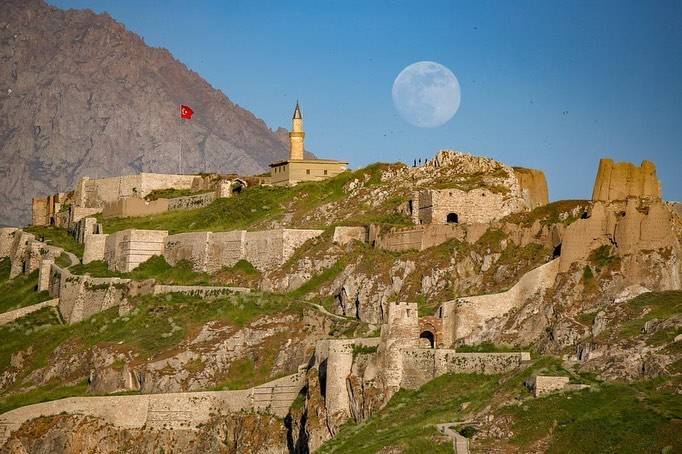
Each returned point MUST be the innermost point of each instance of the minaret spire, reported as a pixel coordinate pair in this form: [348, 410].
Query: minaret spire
[296, 135]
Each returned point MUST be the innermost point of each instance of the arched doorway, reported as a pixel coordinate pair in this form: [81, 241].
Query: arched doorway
[427, 340]
[452, 218]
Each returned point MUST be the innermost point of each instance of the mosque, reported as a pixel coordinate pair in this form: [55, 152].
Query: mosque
[297, 168]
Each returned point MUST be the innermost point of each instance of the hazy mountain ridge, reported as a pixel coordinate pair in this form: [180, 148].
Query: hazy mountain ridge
[82, 96]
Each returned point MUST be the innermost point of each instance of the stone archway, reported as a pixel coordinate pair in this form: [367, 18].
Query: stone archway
[452, 218]
[427, 340]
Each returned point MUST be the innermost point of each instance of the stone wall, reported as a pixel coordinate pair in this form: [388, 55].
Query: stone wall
[137, 206]
[464, 318]
[10, 316]
[7, 235]
[26, 252]
[174, 411]
[126, 249]
[210, 251]
[478, 205]
[81, 296]
[94, 247]
[400, 332]
[344, 235]
[417, 238]
[620, 180]
[207, 251]
[134, 207]
[191, 202]
[544, 384]
[95, 193]
[423, 365]
[533, 186]
[339, 364]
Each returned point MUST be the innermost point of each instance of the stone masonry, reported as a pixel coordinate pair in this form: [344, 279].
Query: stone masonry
[125, 250]
[172, 411]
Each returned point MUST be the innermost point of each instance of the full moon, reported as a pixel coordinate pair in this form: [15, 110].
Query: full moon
[426, 94]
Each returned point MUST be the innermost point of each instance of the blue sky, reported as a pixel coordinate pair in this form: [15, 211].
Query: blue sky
[552, 85]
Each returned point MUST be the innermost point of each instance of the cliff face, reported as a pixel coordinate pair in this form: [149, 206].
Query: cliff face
[82, 96]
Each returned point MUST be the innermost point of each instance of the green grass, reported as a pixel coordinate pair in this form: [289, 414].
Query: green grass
[611, 418]
[56, 236]
[319, 279]
[407, 422]
[255, 205]
[42, 394]
[649, 306]
[616, 418]
[63, 260]
[552, 213]
[171, 193]
[155, 267]
[157, 324]
[20, 291]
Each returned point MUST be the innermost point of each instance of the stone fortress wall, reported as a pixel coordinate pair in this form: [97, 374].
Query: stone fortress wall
[464, 318]
[123, 196]
[399, 361]
[207, 251]
[186, 411]
[25, 251]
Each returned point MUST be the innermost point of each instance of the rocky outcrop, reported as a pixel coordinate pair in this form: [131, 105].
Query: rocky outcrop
[82, 96]
[72, 434]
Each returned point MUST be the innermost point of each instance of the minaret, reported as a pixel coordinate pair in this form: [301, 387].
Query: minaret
[296, 135]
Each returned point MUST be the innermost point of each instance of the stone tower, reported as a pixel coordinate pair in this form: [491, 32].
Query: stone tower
[401, 331]
[296, 135]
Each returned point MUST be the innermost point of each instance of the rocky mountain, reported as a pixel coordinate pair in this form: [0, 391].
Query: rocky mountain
[82, 96]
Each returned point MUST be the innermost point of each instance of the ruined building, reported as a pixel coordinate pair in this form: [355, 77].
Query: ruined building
[479, 190]
[297, 168]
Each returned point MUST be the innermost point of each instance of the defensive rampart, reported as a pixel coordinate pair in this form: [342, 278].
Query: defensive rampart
[164, 411]
[10, 316]
[463, 318]
[81, 296]
[421, 365]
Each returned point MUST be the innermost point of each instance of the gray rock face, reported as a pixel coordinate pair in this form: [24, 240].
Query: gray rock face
[82, 96]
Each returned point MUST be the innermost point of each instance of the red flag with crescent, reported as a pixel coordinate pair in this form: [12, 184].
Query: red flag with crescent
[186, 112]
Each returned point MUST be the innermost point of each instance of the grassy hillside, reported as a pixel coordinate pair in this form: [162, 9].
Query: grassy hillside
[260, 204]
[156, 326]
[56, 236]
[623, 418]
[20, 291]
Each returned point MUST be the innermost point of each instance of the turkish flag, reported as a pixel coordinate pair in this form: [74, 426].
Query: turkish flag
[186, 112]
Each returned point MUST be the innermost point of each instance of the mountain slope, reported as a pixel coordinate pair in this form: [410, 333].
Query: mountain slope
[82, 96]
